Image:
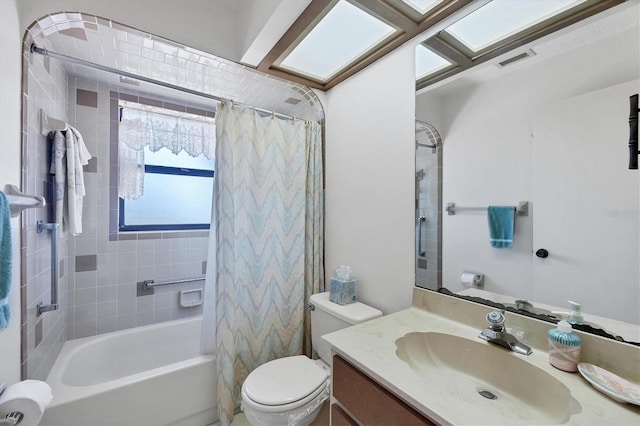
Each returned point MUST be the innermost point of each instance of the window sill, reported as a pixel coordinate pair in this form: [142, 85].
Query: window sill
[154, 235]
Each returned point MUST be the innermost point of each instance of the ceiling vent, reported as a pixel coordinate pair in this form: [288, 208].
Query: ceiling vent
[524, 55]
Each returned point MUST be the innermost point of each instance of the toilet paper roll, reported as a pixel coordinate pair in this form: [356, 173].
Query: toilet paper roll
[468, 279]
[29, 397]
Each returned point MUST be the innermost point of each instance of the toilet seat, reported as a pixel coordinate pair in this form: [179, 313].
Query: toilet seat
[284, 384]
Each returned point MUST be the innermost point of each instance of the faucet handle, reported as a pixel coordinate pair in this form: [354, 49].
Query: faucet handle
[495, 320]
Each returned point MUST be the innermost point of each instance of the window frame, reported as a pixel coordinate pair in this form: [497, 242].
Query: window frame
[166, 170]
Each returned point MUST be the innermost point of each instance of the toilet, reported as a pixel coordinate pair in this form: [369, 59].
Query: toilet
[291, 390]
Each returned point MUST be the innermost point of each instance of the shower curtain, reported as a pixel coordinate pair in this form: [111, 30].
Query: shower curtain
[266, 245]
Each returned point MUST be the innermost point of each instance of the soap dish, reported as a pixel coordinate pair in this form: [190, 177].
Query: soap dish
[190, 298]
[611, 385]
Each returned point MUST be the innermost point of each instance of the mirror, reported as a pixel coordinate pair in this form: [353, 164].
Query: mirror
[550, 129]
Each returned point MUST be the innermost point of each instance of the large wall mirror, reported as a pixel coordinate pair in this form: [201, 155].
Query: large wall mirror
[550, 128]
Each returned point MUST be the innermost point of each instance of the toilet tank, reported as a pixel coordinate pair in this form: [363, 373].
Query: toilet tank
[328, 317]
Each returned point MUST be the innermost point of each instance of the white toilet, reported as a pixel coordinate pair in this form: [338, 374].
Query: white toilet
[292, 389]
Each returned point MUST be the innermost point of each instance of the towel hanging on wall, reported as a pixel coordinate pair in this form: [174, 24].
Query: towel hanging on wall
[69, 176]
[5, 261]
[501, 224]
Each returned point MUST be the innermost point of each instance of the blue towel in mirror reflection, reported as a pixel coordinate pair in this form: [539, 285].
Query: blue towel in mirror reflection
[501, 222]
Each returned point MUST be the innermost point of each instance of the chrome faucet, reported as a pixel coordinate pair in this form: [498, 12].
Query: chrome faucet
[497, 334]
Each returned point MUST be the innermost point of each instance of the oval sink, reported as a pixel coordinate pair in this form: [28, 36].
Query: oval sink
[498, 385]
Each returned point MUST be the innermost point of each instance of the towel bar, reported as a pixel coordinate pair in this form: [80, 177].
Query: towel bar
[421, 252]
[154, 283]
[522, 209]
[41, 307]
[49, 124]
[19, 201]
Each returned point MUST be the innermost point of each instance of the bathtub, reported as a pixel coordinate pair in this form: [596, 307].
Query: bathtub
[151, 375]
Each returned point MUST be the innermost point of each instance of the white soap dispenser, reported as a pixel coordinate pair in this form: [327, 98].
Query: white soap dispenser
[575, 317]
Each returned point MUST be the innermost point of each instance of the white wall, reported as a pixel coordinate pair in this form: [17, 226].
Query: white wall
[486, 137]
[10, 51]
[370, 180]
[585, 204]
[429, 110]
[487, 134]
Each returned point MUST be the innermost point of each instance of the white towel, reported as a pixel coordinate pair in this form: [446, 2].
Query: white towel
[77, 156]
[59, 169]
[69, 175]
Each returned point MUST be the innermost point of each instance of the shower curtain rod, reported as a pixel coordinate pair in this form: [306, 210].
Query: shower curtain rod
[426, 146]
[71, 59]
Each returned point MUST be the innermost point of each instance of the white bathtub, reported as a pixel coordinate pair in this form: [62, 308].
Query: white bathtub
[150, 375]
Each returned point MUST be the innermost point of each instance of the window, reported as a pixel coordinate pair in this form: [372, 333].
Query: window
[423, 6]
[344, 34]
[479, 29]
[171, 181]
[160, 189]
[428, 62]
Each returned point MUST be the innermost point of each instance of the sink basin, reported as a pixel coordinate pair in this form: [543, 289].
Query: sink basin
[498, 385]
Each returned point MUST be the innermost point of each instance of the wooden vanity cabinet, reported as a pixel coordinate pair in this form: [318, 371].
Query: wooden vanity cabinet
[359, 400]
[340, 418]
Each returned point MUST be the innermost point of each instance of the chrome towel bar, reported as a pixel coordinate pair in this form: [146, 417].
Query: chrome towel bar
[522, 209]
[53, 227]
[421, 220]
[19, 201]
[154, 283]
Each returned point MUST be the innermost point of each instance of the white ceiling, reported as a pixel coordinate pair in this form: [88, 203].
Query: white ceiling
[271, 29]
[225, 28]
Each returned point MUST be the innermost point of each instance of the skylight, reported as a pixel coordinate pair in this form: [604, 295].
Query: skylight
[500, 19]
[428, 62]
[344, 34]
[422, 6]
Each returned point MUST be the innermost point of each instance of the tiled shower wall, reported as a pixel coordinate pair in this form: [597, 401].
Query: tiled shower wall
[99, 272]
[110, 267]
[44, 88]
[429, 204]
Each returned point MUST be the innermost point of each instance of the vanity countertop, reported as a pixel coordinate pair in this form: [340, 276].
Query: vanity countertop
[371, 347]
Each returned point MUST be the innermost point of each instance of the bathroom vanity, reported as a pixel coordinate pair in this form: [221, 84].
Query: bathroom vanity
[358, 399]
[426, 365]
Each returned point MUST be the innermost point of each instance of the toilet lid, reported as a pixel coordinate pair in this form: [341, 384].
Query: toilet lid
[284, 380]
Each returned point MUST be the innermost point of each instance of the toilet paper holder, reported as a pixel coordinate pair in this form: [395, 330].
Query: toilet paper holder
[12, 409]
[13, 418]
[473, 279]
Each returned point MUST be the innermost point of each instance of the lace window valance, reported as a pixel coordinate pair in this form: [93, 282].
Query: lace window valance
[156, 128]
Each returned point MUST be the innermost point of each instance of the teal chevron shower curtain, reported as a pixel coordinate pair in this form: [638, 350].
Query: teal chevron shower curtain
[267, 245]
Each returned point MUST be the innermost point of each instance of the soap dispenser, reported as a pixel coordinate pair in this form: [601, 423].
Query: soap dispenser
[564, 347]
[575, 317]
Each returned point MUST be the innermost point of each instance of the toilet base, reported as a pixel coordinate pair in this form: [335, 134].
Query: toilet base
[300, 416]
[258, 418]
